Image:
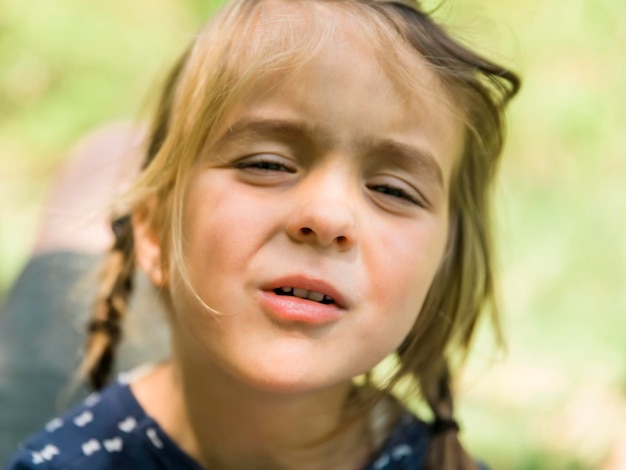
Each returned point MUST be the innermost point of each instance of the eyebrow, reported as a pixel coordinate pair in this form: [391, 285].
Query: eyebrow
[405, 155]
[422, 162]
[286, 128]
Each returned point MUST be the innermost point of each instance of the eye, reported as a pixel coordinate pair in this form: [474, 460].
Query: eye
[264, 164]
[398, 193]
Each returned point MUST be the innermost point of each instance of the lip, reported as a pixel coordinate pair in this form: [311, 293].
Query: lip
[304, 282]
[288, 309]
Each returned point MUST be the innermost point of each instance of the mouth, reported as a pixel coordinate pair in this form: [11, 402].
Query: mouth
[302, 300]
[315, 296]
[315, 290]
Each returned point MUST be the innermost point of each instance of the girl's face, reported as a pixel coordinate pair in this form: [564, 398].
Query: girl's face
[315, 224]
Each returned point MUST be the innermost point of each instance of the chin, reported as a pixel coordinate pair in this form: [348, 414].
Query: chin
[288, 381]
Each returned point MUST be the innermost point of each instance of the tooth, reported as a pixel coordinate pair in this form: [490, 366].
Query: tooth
[328, 298]
[302, 293]
[317, 296]
[286, 290]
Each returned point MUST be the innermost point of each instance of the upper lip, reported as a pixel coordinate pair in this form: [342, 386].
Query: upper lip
[311, 284]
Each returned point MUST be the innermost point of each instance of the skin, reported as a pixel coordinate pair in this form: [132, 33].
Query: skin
[332, 177]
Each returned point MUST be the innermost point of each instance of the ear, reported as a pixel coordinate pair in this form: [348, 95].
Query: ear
[148, 252]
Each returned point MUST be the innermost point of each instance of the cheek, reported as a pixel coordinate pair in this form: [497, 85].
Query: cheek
[201, 248]
[210, 227]
[219, 213]
[222, 230]
[405, 269]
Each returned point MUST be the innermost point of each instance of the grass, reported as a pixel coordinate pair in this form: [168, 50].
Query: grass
[557, 398]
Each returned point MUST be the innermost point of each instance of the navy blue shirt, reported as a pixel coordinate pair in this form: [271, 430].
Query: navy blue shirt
[111, 430]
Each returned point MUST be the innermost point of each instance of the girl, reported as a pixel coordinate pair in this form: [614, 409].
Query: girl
[314, 201]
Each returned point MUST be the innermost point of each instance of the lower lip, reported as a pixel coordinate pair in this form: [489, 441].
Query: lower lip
[289, 309]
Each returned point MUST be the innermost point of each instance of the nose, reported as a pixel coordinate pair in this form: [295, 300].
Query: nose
[324, 212]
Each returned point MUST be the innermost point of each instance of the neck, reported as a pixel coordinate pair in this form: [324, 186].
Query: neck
[225, 425]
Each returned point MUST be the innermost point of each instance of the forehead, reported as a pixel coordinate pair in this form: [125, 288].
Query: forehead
[349, 54]
[299, 29]
[261, 50]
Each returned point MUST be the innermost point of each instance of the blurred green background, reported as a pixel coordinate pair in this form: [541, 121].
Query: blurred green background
[557, 398]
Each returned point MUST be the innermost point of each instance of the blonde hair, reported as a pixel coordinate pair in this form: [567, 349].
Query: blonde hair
[247, 42]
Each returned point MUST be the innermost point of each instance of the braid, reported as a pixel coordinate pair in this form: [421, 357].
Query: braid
[445, 451]
[105, 326]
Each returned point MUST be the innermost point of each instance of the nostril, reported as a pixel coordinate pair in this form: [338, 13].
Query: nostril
[324, 236]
